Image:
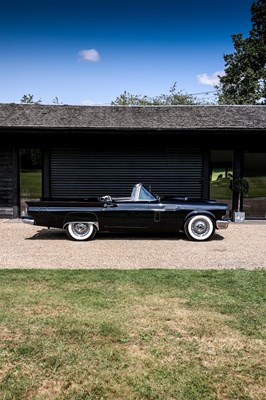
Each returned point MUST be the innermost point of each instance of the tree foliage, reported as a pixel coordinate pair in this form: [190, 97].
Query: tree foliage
[244, 81]
[29, 99]
[30, 158]
[240, 186]
[173, 98]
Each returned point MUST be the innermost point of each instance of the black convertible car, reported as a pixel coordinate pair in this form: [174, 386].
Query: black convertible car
[141, 212]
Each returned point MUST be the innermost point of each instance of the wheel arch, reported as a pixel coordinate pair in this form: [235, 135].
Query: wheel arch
[199, 212]
[79, 217]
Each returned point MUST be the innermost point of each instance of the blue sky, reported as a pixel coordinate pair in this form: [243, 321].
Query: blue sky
[89, 52]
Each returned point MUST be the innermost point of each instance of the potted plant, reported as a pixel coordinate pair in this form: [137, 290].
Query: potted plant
[240, 186]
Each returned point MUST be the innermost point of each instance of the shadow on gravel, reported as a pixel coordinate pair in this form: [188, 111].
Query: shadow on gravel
[49, 234]
[59, 234]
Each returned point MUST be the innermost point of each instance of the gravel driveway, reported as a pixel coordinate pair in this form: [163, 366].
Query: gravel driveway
[25, 246]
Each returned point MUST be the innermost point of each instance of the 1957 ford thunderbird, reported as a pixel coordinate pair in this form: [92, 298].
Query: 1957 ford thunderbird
[141, 212]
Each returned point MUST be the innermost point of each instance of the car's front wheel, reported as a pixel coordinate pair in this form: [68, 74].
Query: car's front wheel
[81, 230]
[199, 227]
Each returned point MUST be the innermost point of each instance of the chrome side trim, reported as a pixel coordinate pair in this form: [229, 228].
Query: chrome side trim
[222, 224]
[28, 221]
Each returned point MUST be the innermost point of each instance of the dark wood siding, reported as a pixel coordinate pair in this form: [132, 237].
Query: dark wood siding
[6, 182]
[90, 172]
[6, 177]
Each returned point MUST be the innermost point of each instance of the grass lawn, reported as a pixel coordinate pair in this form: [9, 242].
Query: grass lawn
[219, 188]
[31, 184]
[145, 334]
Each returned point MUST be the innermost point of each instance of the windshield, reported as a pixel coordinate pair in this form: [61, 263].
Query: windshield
[144, 194]
[140, 193]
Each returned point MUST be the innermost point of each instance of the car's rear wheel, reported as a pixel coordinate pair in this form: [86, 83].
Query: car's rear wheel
[199, 227]
[81, 230]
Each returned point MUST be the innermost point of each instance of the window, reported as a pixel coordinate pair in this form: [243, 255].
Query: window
[30, 176]
[221, 176]
[254, 202]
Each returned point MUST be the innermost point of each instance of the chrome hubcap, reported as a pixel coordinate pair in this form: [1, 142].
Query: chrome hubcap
[81, 228]
[200, 228]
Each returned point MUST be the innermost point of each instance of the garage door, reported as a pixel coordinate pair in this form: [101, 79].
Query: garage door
[76, 173]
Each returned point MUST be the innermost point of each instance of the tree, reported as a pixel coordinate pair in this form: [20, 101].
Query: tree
[244, 81]
[28, 99]
[240, 186]
[173, 98]
[56, 101]
[30, 158]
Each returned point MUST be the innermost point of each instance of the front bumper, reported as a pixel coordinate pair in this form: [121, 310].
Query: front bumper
[222, 224]
[28, 220]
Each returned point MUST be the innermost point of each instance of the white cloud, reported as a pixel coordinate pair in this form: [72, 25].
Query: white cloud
[91, 55]
[93, 103]
[210, 80]
[87, 103]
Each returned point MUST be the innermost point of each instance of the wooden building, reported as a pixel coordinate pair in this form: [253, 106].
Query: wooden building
[56, 151]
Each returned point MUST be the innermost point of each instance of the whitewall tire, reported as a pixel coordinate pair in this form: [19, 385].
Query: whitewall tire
[81, 230]
[199, 227]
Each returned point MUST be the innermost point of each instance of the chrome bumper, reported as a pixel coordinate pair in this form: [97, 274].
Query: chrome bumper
[28, 220]
[222, 224]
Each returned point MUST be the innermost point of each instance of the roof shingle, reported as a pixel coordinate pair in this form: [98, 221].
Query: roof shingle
[132, 117]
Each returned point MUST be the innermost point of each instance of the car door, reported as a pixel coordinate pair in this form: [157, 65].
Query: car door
[165, 217]
[126, 216]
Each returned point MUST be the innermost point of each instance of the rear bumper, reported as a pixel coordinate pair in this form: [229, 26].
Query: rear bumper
[28, 220]
[222, 224]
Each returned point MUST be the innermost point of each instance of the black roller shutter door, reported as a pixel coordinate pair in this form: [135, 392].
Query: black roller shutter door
[78, 173]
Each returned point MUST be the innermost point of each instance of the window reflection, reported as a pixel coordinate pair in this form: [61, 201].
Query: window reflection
[30, 176]
[221, 176]
[254, 202]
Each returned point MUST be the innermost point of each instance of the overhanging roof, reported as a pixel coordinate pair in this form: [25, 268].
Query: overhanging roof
[133, 117]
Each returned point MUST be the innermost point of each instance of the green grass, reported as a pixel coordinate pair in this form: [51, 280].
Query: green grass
[31, 183]
[146, 334]
[219, 188]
